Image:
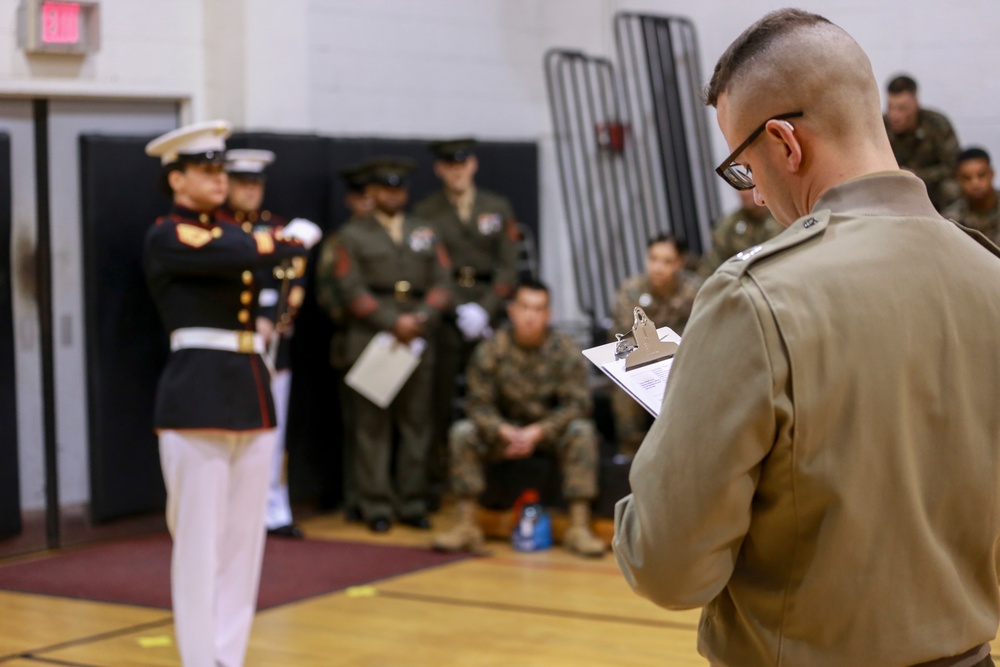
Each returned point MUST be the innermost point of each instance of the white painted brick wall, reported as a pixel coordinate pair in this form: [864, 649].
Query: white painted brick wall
[148, 48]
[426, 68]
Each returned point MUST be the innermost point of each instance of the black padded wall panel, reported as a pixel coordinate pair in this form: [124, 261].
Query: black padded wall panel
[126, 344]
[10, 504]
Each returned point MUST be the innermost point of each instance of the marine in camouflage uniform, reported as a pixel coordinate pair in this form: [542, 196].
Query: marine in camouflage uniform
[479, 231]
[988, 221]
[665, 310]
[979, 205]
[735, 232]
[394, 275]
[929, 151]
[666, 293]
[541, 386]
[922, 140]
[670, 309]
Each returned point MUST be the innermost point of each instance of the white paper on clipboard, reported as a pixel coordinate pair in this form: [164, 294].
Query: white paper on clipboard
[384, 367]
[647, 384]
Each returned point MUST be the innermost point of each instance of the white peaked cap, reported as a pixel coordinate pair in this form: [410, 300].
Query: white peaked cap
[195, 139]
[248, 160]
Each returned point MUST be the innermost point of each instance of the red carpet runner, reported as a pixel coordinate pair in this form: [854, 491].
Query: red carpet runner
[137, 571]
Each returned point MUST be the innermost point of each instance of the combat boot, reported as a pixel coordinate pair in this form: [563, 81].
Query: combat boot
[578, 537]
[465, 535]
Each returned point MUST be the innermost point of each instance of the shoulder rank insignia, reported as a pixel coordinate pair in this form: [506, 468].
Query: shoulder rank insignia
[800, 231]
[192, 235]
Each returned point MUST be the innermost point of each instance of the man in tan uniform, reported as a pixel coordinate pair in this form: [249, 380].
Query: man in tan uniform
[824, 472]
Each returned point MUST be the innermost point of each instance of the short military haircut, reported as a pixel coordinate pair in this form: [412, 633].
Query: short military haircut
[902, 84]
[666, 237]
[532, 284]
[754, 41]
[973, 153]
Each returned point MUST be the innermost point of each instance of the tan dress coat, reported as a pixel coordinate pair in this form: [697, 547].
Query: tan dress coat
[824, 475]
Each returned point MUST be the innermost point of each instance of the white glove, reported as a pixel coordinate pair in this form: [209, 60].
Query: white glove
[304, 231]
[473, 320]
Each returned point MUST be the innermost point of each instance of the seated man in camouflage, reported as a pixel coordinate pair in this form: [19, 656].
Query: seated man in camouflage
[666, 293]
[527, 392]
[737, 231]
[979, 205]
[923, 141]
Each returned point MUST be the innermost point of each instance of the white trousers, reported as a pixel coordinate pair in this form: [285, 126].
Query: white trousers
[216, 494]
[279, 511]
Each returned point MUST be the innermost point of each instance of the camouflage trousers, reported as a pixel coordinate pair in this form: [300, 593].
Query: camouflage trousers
[631, 422]
[575, 449]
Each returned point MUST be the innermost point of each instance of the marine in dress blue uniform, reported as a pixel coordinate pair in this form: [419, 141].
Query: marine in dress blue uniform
[282, 289]
[214, 412]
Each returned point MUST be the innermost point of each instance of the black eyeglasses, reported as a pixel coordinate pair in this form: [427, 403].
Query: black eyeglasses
[734, 173]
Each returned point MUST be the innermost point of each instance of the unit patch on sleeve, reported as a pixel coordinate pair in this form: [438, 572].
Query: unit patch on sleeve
[193, 235]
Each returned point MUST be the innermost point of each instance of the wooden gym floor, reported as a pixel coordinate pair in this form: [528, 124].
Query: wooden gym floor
[548, 609]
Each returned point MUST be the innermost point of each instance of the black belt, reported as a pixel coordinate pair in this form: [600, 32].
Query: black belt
[402, 290]
[467, 276]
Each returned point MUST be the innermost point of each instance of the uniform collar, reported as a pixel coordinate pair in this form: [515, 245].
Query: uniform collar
[464, 199]
[884, 193]
[187, 214]
[546, 342]
[388, 220]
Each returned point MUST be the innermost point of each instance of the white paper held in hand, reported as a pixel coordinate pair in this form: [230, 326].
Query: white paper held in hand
[384, 367]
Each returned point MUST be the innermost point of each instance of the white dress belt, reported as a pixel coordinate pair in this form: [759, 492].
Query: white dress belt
[205, 338]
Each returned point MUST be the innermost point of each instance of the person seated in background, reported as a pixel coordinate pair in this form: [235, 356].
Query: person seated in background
[744, 228]
[922, 140]
[979, 205]
[666, 294]
[527, 393]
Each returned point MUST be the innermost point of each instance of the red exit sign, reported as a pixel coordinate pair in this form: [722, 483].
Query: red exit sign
[70, 27]
[60, 22]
